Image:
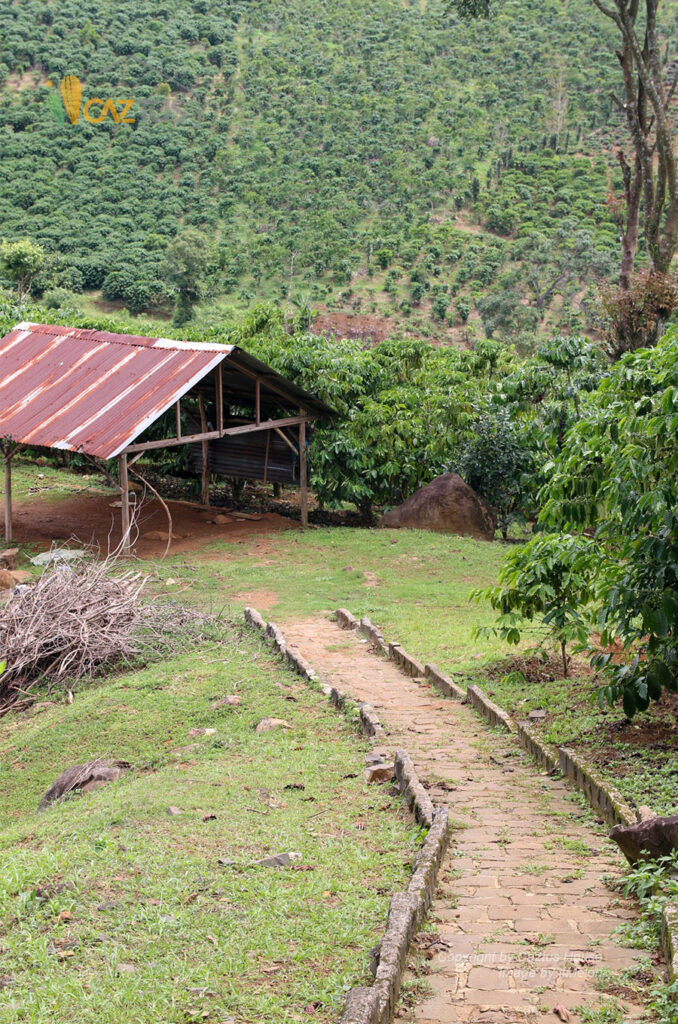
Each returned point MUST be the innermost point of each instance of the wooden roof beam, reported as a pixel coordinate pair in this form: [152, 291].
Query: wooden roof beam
[213, 435]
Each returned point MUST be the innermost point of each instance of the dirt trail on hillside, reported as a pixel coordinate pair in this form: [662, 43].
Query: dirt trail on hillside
[523, 920]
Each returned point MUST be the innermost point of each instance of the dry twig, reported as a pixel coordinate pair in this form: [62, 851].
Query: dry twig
[79, 618]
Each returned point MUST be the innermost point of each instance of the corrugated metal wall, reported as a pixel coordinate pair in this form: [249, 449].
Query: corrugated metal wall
[244, 456]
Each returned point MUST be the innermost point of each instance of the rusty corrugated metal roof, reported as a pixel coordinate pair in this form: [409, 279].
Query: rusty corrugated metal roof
[95, 392]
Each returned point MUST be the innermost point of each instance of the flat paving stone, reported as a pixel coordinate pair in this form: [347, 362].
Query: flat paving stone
[526, 909]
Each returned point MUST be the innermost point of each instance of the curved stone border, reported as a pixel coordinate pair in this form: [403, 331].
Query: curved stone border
[416, 796]
[670, 939]
[543, 753]
[443, 683]
[603, 798]
[489, 710]
[368, 1005]
[376, 1004]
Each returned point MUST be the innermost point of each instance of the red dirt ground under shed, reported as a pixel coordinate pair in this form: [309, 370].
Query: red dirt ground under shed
[95, 519]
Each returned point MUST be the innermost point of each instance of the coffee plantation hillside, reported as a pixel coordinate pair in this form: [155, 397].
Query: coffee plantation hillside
[382, 162]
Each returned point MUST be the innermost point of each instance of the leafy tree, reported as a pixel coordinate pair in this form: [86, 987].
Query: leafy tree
[637, 314]
[545, 586]
[497, 461]
[20, 262]
[384, 257]
[187, 259]
[463, 307]
[440, 304]
[648, 164]
[503, 312]
[617, 474]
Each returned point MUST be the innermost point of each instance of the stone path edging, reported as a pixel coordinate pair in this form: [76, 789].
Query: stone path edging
[416, 796]
[489, 710]
[603, 798]
[376, 1004]
[670, 939]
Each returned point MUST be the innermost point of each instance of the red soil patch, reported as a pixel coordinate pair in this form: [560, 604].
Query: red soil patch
[95, 519]
[259, 599]
[370, 328]
[658, 728]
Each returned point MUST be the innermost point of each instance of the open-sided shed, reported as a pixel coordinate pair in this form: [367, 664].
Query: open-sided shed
[107, 395]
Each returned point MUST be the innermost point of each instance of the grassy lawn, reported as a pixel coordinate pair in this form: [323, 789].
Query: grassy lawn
[413, 584]
[416, 585]
[111, 909]
[50, 481]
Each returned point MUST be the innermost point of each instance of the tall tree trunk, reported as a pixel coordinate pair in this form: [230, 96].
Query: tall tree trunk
[647, 109]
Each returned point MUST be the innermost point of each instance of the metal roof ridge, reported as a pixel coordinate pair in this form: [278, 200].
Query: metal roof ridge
[175, 344]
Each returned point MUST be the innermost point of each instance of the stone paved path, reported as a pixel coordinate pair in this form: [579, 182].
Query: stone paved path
[523, 919]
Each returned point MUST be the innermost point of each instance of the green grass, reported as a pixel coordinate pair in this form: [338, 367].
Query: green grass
[51, 481]
[111, 909]
[416, 586]
[413, 584]
[268, 944]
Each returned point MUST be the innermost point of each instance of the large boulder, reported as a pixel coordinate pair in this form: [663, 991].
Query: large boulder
[446, 505]
[647, 840]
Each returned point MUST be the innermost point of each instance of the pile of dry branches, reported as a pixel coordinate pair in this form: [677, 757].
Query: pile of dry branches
[78, 619]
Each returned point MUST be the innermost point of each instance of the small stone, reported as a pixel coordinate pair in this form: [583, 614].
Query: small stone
[83, 778]
[7, 581]
[126, 968]
[173, 811]
[231, 701]
[20, 575]
[278, 860]
[42, 706]
[202, 732]
[9, 558]
[109, 905]
[267, 724]
[379, 772]
[222, 520]
[171, 582]
[537, 715]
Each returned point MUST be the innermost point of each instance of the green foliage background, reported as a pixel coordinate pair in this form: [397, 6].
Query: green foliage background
[361, 139]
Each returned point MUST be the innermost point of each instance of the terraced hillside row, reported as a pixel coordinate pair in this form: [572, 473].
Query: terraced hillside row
[378, 160]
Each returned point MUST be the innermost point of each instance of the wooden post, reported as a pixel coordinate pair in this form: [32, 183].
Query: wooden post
[220, 400]
[123, 480]
[303, 482]
[177, 411]
[257, 401]
[8, 497]
[205, 445]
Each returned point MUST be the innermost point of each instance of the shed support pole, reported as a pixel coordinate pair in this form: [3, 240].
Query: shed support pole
[303, 481]
[205, 476]
[124, 495]
[8, 497]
